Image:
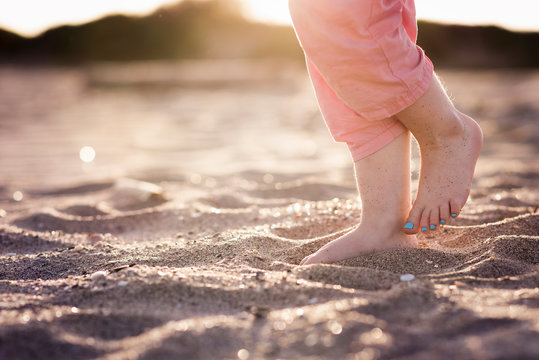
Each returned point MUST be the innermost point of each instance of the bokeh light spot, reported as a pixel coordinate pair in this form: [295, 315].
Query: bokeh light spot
[18, 195]
[334, 327]
[87, 154]
[243, 354]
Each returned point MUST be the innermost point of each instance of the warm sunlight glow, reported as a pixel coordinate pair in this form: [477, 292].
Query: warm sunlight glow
[520, 15]
[516, 15]
[272, 11]
[30, 17]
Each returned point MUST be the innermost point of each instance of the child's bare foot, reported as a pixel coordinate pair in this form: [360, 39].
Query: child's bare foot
[450, 143]
[383, 180]
[447, 169]
[364, 239]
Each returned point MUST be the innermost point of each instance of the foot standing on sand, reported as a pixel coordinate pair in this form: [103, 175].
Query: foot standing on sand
[375, 86]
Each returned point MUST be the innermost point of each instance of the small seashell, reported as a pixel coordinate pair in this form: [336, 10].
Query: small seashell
[98, 275]
[407, 277]
[130, 191]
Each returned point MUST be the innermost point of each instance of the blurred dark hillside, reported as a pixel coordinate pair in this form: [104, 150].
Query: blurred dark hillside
[190, 29]
[478, 46]
[215, 29]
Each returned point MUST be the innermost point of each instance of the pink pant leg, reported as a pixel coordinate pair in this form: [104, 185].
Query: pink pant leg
[362, 136]
[364, 65]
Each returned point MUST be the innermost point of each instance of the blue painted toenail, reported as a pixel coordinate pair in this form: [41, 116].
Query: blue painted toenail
[424, 229]
[454, 215]
[432, 227]
[409, 225]
[442, 222]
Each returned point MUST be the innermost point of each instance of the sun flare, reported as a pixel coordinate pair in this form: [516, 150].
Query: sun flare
[15, 15]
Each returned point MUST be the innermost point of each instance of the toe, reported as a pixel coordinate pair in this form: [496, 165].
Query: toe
[454, 208]
[434, 219]
[305, 259]
[424, 223]
[313, 259]
[412, 223]
[445, 214]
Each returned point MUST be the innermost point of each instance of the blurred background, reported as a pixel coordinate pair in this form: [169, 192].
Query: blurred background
[63, 32]
[105, 89]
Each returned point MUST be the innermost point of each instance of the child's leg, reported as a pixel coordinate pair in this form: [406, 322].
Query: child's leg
[380, 148]
[450, 143]
[368, 71]
[365, 50]
[362, 136]
[383, 179]
[381, 151]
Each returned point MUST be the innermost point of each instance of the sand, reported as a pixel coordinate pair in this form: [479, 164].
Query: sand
[211, 181]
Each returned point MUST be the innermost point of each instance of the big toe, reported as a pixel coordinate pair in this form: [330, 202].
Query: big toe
[412, 223]
[316, 258]
[306, 260]
[455, 207]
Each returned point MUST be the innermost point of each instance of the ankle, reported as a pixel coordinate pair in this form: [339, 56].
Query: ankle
[454, 128]
[382, 228]
[456, 125]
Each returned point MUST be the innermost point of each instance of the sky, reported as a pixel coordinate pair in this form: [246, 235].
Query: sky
[31, 17]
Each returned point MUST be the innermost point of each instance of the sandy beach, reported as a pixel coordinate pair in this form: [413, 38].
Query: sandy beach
[211, 180]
